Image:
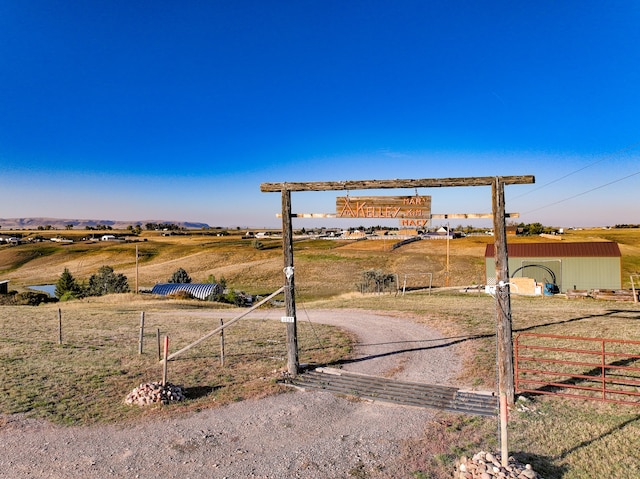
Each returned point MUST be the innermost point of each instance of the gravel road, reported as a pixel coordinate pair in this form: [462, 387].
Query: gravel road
[303, 434]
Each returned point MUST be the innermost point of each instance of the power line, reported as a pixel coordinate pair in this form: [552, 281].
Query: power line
[584, 192]
[615, 153]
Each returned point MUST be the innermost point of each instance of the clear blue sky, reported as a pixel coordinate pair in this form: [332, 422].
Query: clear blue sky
[133, 110]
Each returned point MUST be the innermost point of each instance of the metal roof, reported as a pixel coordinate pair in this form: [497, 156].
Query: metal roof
[544, 250]
[197, 290]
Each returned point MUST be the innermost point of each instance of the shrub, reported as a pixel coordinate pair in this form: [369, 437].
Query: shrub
[181, 295]
[31, 298]
[375, 281]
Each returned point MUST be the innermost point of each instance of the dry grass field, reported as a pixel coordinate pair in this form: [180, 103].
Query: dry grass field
[324, 268]
[84, 380]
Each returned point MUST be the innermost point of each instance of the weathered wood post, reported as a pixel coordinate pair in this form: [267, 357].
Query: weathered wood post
[503, 299]
[165, 361]
[289, 290]
[503, 313]
[141, 337]
[59, 326]
[222, 343]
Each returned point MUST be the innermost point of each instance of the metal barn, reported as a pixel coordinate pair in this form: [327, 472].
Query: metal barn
[197, 290]
[583, 266]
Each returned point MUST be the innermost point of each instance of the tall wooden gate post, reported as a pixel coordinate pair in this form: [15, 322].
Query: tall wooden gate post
[503, 313]
[503, 299]
[289, 290]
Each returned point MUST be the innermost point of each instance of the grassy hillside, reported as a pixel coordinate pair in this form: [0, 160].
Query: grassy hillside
[324, 268]
[68, 384]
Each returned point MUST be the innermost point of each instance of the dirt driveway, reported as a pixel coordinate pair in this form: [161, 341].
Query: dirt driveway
[302, 434]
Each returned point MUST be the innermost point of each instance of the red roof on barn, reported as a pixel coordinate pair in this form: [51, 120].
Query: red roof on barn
[545, 250]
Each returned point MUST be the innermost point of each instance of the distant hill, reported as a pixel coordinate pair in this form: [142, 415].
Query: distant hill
[61, 223]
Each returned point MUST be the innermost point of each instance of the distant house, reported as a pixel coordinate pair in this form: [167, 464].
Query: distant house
[4, 286]
[197, 290]
[12, 240]
[583, 266]
[108, 238]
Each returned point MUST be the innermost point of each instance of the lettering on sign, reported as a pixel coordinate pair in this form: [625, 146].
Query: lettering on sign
[415, 207]
[417, 223]
[287, 319]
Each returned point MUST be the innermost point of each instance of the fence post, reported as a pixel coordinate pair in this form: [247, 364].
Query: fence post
[141, 339]
[516, 345]
[166, 361]
[222, 343]
[604, 370]
[59, 326]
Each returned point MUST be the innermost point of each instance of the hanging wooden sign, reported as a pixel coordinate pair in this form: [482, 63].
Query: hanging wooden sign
[390, 207]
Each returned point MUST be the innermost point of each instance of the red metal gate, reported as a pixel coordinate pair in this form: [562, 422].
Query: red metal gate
[577, 367]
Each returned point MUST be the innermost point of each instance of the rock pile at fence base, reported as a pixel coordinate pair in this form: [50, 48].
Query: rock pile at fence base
[485, 465]
[153, 393]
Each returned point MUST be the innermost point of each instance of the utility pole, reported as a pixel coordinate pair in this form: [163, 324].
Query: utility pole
[137, 288]
[447, 274]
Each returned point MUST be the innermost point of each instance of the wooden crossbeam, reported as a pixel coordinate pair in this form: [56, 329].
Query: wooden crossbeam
[444, 216]
[386, 184]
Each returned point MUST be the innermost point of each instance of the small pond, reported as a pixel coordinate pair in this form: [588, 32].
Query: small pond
[50, 289]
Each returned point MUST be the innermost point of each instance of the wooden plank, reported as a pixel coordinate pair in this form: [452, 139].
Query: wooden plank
[470, 216]
[387, 184]
[434, 216]
[389, 207]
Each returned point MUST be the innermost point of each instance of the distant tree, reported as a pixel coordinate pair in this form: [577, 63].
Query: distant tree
[67, 287]
[532, 229]
[69, 226]
[180, 276]
[105, 281]
[222, 281]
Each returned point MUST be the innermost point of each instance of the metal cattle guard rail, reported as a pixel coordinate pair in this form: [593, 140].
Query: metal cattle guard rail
[578, 367]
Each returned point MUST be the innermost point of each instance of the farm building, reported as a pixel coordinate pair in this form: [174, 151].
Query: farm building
[583, 266]
[197, 290]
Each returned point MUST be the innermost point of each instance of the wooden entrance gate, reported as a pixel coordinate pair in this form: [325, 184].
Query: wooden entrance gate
[503, 300]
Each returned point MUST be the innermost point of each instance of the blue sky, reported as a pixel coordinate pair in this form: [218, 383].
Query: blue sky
[134, 110]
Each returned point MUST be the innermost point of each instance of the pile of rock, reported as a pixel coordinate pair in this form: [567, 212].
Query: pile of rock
[484, 465]
[153, 393]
